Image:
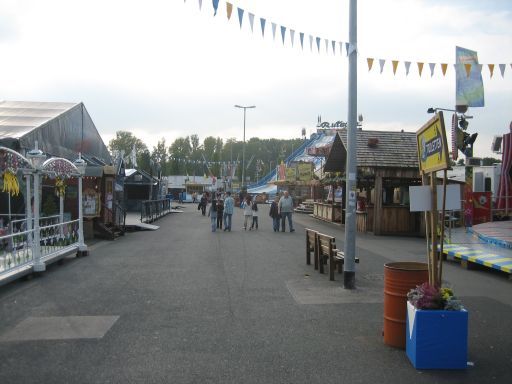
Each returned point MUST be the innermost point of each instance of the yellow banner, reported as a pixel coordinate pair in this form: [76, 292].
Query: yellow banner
[432, 146]
[305, 171]
[291, 174]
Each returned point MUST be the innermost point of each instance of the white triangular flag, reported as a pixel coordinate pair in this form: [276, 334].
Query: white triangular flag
[251, 21]
[274, 26]
[407, 66]
[292, 34]
[381, 63]
[311, 44]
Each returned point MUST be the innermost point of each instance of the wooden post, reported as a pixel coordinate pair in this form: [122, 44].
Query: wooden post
[434, 216]
[377, 211]
[440, 255]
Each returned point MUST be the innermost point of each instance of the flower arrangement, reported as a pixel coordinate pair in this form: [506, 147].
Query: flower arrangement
[427, 296]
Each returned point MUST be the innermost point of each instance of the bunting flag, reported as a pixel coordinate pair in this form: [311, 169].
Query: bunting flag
[502, 69]
[381, 64]
[491, 69]
[395, 65]
[251, 21]
[468, 69]
[407, 67]
[432, 67]
[444, 67]
[262, 22]
[369, 60]
[240, 16]
[229, 9]
[420, 68]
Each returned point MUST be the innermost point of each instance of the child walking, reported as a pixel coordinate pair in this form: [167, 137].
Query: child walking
[247, 211]
[254, 208]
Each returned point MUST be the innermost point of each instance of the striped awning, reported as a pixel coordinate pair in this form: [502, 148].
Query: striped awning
[504, 195]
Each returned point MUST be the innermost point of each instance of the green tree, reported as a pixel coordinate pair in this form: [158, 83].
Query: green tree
[160, 156]
[125, 142]
[181, 151]
[490, 161]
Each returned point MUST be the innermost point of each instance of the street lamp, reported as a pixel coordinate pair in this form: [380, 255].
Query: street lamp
[243, 148]
[80, 164]
[37, 157]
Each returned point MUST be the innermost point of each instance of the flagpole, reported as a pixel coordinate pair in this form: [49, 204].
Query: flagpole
[351, 172]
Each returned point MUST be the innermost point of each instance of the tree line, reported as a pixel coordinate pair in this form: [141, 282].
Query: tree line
[189, 156]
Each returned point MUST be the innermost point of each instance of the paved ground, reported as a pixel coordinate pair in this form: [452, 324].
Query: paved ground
[184, 305]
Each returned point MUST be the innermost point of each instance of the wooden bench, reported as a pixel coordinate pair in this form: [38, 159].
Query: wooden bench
[311, 240]
[327, 251]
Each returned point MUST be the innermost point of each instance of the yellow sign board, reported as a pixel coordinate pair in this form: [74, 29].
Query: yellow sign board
[305, 171]
[432, 145]
[291, 173]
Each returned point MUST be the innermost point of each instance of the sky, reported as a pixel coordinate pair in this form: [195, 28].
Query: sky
[168, 69]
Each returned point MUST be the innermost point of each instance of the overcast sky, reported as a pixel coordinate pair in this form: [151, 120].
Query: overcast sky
[165, 69]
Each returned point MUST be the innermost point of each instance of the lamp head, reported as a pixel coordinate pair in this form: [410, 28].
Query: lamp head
[431, 110]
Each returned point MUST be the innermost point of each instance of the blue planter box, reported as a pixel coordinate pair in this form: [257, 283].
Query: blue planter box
[436, 339]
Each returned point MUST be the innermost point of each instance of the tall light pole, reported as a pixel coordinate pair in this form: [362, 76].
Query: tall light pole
[243, 148]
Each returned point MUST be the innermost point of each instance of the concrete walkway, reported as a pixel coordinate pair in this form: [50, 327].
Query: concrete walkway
[185, 305]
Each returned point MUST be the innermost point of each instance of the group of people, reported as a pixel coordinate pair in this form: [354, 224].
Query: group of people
[220, 212]
[222, 206]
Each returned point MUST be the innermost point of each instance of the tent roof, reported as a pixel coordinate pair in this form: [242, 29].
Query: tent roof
[60, 129]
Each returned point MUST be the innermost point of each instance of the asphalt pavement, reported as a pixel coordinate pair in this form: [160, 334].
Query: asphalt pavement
[185, 305]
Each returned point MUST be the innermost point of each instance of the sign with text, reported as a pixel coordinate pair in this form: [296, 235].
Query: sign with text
[432, 145]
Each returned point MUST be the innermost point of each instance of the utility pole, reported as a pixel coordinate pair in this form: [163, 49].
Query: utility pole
[349, 274]
[243, 148]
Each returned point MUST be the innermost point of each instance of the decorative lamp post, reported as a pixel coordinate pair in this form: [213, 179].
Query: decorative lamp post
[37, 157]
[82, 247]
[243, 148]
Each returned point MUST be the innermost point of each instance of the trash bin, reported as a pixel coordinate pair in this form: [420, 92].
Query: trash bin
[399, 279]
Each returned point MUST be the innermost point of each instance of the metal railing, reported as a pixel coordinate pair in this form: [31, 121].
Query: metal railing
[17, 249]
[152, 210]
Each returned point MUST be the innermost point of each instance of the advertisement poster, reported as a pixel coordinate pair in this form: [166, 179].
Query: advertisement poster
[305, 171]
[291, 173]
[469, 88]
[432, 146]
[481, 207]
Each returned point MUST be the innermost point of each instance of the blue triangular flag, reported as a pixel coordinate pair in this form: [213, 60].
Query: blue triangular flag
[215, 6]
[301, 36]
[283, 32]
[347, 46]
[318, 43]
[333, 47]
[240, 16]
[200, 3]
[262, 21]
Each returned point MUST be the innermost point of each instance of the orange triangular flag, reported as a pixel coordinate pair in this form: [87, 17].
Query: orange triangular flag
[370, 63]
[491, 68]
[229, 9]
[395, 65]
[444, 67]
[420, 67]
[468, 69]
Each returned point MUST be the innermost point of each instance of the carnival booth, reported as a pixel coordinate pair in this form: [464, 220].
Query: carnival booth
[387, 164]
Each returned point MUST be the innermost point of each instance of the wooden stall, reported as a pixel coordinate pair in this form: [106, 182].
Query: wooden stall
[387, 164]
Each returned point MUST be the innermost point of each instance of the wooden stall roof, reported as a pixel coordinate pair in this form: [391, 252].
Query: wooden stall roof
[375, 149]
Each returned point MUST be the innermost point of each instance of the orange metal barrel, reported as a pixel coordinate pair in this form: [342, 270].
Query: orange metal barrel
[399, 279]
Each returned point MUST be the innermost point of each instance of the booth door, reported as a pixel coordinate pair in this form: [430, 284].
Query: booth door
[108, 202]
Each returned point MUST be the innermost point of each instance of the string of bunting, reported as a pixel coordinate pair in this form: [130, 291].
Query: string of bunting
[341, 48]
[188, 161]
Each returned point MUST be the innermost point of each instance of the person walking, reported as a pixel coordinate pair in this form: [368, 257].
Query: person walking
[212, 214]
[203, 203]
[220, 212]
[274, 213]
[229, 204]
[286, 210]
[247, 211]
[254, 208]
